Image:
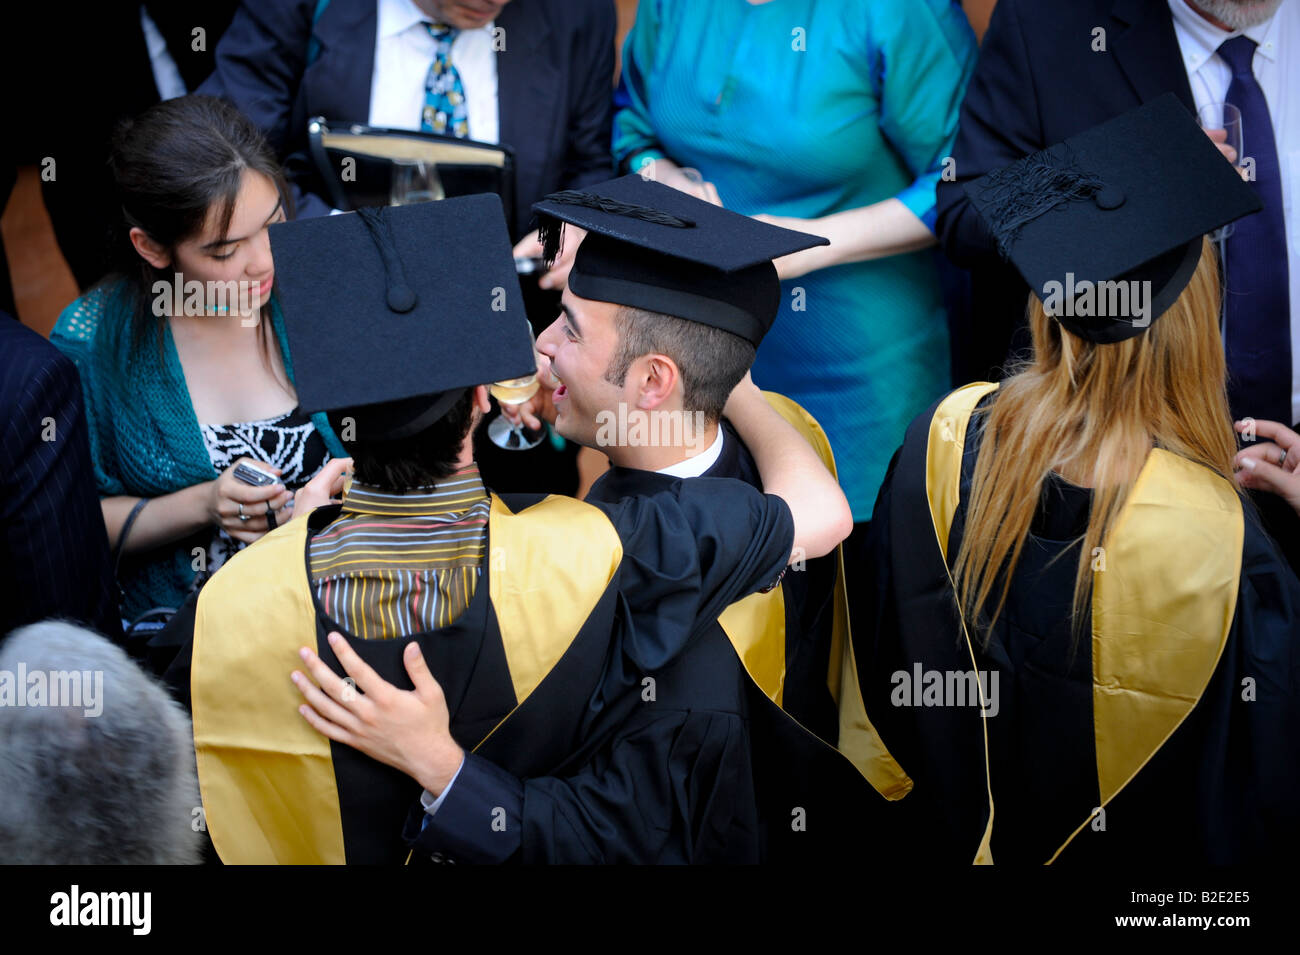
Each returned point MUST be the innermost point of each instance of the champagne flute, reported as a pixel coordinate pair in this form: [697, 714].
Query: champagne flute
[504, 433]
[415, 180]
[1227, 117]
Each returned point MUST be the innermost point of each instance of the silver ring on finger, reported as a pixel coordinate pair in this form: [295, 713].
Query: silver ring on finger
[242, 515]
[1282, 460]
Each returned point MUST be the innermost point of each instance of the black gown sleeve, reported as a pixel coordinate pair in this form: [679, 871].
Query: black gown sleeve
[692, 550]
[671, 787]
[1248, 721]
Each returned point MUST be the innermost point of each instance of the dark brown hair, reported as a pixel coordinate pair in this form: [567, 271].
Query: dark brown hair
[420, 460]
[173, 163]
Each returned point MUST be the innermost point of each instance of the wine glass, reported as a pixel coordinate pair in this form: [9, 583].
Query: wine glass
[415, 180]
[501, 431]
[1227, 117]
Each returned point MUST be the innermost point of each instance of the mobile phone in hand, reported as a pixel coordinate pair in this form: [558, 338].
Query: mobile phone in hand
[254, 475]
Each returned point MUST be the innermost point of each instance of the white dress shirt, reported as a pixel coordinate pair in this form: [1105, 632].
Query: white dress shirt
[404, 52]
[1277, 69]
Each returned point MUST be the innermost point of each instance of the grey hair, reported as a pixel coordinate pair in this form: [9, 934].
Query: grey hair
[1239, 14]
[115, 787]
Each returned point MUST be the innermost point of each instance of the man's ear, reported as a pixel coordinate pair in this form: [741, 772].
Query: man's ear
[149, 250]
[481, 399]
[656, 377]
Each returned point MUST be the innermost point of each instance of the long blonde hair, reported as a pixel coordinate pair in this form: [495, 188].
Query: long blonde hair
[1094, 410]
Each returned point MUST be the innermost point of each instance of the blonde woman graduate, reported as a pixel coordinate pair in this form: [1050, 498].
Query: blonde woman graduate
[1082, 646]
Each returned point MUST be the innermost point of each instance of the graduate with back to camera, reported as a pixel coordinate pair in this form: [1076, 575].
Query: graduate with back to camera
[1076, 535]
[493, 678]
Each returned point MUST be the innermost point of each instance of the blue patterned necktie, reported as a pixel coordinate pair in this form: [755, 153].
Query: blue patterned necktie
[1257, 335]
[444, 109]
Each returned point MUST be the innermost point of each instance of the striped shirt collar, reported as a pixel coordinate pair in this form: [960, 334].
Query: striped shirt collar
[455, 495]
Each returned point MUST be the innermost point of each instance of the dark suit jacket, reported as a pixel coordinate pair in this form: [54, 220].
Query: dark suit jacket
[54, 559]
[1038, 82]
[554, 80]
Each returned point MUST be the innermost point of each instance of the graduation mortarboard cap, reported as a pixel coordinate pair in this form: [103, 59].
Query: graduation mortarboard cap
[394, 312]
[1126, 202]
[653, 247]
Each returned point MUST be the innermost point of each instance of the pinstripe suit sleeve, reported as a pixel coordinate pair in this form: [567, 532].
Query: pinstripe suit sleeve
[54, 558]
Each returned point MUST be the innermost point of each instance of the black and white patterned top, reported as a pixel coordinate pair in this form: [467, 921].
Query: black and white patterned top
[290, 442]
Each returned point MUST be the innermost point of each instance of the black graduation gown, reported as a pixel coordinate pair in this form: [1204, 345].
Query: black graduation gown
[596, 765]
[813, 805]
[1224, 787]
[809, 591]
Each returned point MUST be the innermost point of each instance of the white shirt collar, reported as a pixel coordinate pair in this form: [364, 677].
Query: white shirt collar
[397, 16]
[697, 464]
[1204, 38]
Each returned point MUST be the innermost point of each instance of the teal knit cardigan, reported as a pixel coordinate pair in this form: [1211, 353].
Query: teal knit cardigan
[144, 436]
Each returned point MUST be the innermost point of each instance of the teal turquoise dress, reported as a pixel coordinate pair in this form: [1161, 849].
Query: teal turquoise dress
[804, 108]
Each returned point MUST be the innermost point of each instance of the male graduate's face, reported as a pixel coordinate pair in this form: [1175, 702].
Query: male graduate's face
[580, 344]
[462, 14]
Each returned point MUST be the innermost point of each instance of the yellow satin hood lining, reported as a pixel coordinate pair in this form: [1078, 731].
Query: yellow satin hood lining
[756, 627]
[946, 443]
[266, 777]
[1159, 622]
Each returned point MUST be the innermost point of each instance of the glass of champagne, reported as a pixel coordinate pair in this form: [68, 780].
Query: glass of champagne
[415, 180]
[1226, 117]
[514, 391]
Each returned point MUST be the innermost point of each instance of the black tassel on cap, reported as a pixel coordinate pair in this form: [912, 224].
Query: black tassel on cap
[550, 230]
[400, 296]
[1023, 191]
